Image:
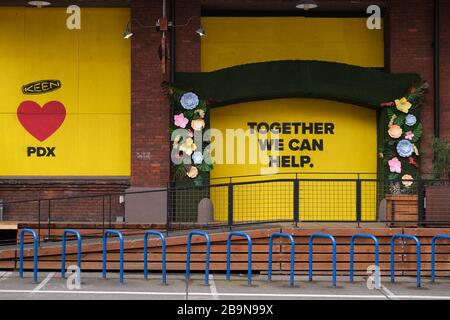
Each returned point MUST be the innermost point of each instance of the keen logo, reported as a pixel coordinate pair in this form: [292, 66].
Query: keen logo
[42, 86]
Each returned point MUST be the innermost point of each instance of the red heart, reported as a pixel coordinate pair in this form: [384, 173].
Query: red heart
[41, 123]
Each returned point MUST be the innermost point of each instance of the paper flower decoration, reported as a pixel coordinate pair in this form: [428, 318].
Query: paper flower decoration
[395, 165]
[189, 101]
[200, 112]
[403, 105]
[198, 124]
[395, 132]
[192, 173]
[176, 141]
[407, 180]
[405, 148]
[410, 120]
[197, 157]
[180, 120]
[409, 135]
[416, 150]
[188, 147]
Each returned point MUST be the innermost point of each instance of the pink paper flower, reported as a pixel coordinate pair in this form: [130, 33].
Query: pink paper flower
[409, 135]
[180, 120]
[395, 165]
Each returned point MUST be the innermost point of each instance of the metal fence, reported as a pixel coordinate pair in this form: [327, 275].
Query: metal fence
[293, 199]
[297, 200]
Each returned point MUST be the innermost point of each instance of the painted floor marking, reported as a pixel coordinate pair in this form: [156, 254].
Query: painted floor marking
[44, 282]
[213, 287]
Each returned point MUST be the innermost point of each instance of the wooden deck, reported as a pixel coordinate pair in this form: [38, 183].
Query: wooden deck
[50, 252]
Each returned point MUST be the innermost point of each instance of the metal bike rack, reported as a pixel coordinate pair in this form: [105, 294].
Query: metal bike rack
[416, 240]
[377, 254]
[433, 254]
[250, 245]
[188, 256]
[311, 243]
[163, 245]
[291, 239]
[105, 240]
[36, 253]
[63, 259]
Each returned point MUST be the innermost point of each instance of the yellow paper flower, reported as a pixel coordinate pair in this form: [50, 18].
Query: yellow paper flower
[395, 132]
[198, 124]
[403, 105]
[416, 150]
[176, 141]
[200, 112]
[192, 173]
[407, 180]
[188, 147]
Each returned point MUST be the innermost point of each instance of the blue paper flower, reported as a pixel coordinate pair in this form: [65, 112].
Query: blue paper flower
[410, 120]
[405, 148]
[189, 101]
[197, 157]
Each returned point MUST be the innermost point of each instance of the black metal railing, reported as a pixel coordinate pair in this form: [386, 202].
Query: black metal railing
[287, 198]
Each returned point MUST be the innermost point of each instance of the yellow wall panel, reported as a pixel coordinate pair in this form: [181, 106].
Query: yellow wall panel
[241, 40]
[94, 67]
[233, 41]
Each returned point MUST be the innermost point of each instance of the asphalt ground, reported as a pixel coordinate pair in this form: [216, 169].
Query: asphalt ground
[51, 286]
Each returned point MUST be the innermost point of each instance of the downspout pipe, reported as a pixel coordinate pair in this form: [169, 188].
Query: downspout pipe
[437, 103]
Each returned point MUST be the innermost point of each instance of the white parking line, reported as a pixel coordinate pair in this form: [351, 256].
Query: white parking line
[5, 275]
[44, 282]
[204, 294]
[388, 293]
[248, 295]
[213, 287]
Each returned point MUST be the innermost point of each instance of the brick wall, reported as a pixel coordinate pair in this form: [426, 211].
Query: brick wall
[150, 108]
[16, 193]
[445, 68]
[411, 50]
[410, 47]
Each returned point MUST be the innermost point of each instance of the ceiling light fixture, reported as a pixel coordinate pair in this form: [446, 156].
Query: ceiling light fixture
[307, 5]
[127, 34]
[201, 32]
[39, 4]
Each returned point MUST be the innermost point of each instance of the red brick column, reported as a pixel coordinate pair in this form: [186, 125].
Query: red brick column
[150, 161]
[445, 68]
[411, 50]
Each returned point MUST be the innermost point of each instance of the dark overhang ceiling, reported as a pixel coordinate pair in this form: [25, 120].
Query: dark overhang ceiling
[223, 5]
[288, 5]
[66, 3]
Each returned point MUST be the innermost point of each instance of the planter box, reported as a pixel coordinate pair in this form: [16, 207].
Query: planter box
[402, 210]
[437, 212]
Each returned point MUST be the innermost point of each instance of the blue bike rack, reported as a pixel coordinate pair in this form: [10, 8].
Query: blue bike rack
[36, 253]
[433, 254]
[291, 239]
[311, 243]
[352, 252]
[63, 259]
[105, 240]
[188, 256]
[250, 245]
[416, 240]
[163, 244]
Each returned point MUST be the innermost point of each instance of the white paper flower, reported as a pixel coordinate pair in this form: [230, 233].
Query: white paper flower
[189, 101]
[197, 157]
